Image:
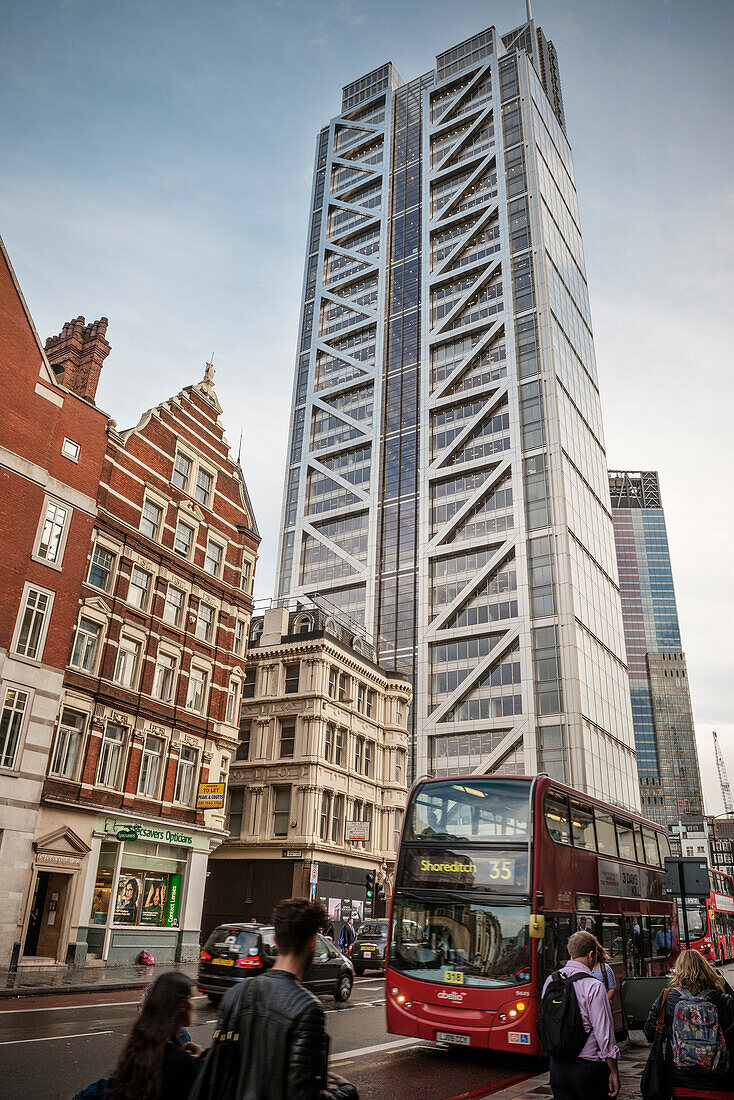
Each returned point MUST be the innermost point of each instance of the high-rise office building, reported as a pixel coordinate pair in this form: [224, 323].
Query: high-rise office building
[667, 758]
[446, 478]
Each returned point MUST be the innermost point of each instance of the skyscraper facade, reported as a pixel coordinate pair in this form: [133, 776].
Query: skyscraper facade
[446, 477]
[667, 758]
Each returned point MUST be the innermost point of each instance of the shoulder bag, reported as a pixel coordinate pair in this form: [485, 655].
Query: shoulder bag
[653, 1084]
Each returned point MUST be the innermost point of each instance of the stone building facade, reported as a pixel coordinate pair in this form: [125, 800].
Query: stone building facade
[52, 447]
[323, 743]
[154, 680]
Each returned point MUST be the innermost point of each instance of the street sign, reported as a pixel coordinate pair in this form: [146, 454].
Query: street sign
[358, 830]
[694, 882]
[292, 853]
[210, 796]
[314, 874]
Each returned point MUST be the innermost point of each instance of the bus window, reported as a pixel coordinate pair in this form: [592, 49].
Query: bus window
[661, 936]
[587, 922]
[582, 825]
[639, 844]
[556, 817]
[485, 809]
[555, 943]
[612, 940]
[664, 846]
[625, 840]
[651, 849]
[646, 938]
[605, 834]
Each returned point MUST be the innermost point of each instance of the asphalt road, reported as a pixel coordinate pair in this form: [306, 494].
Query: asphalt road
[50, 1047]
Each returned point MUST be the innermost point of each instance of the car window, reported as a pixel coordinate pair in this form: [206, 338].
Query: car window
[231, 939]
[322, 949]
[268, 938]
[374, 929]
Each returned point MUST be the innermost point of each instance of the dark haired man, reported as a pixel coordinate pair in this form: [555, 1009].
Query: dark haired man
[283, 1041]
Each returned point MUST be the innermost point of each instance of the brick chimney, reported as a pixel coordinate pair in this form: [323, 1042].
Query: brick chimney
[77, 355]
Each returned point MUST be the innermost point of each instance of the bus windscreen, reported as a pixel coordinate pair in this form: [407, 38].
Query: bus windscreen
[460, 943]
[483, 809]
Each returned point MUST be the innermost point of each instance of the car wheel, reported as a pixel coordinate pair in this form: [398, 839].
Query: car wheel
[359, 971]
[215, 998]
[344, 989]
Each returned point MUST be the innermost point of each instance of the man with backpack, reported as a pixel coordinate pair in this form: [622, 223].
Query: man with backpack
[271, 1041]
[576, 1027]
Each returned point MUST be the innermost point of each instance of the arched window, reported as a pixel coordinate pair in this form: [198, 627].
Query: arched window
[303, 624]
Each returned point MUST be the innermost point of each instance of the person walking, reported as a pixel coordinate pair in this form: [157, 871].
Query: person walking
[153, 1064]
[329, 929]
[272, 1034]
[348, 935]
[590, 1074]
[698, 1018]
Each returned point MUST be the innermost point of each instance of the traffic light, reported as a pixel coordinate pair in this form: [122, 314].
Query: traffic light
[369, 885]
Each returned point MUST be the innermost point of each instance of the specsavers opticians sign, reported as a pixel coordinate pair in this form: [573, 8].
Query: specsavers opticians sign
[126, 830]
[498, 872]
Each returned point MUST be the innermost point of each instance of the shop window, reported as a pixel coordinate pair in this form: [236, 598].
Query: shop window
[185, 776]
[281, 810]
[151, 767]
[103, 882]
[110, 755]
[292, 678]
[236, 809]
[101, 568]
[582, 825]
[556, 817]
[287, 739]
[68, 743]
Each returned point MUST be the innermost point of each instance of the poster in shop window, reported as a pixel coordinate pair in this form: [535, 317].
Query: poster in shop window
[128, 898]
[154, 900]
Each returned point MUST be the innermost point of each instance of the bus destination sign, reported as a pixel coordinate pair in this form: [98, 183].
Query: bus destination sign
[457, 869]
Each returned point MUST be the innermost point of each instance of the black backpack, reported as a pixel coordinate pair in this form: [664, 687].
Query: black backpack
[221, 1063]
[560, 1026]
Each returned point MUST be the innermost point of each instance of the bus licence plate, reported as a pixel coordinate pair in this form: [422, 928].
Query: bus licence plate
[453, 1037]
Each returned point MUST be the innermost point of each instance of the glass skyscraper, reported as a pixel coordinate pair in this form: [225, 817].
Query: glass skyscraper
[446, 481]
[667, 758]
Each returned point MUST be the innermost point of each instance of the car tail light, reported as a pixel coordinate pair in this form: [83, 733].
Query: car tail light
[204, 955]
[249, 960]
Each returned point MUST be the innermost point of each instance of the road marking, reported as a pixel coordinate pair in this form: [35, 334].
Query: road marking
[56, 1038]
[69, 1008]
[337, 1058]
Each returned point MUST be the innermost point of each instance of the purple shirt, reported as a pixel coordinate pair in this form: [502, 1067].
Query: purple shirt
[596, 1012]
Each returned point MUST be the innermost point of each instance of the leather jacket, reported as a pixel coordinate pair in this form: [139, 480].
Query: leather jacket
[283, 1040]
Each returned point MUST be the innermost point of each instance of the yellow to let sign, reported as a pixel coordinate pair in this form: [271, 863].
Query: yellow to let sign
[210, 796]
[453, 977]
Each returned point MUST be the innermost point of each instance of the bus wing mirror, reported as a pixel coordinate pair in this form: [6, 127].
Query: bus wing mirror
[537, 926]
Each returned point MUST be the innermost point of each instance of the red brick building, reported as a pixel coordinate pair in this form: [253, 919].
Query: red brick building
[152, 690]
[52, 449]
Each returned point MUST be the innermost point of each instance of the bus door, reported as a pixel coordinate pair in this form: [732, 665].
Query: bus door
[555, 944]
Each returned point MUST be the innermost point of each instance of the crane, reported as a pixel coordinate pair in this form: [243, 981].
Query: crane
[723, 777]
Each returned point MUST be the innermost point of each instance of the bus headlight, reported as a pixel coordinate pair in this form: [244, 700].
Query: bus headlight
[511, 1011]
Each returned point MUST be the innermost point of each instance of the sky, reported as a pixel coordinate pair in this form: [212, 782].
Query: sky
[156, 162]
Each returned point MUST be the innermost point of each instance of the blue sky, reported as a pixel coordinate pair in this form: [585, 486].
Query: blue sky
[156, 163]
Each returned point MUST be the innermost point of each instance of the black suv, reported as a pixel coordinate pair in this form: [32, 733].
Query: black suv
[234, 952]
[370, 946]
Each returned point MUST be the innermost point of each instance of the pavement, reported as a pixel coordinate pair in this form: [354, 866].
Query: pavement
[34, 981]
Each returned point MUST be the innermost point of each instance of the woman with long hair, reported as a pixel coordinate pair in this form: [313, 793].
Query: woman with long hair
[698, 1019]
[153, 1064]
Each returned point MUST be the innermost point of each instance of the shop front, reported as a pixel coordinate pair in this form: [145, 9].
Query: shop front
[144, 890]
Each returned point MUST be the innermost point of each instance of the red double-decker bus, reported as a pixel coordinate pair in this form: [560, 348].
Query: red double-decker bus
[711, 923]
[494, 873]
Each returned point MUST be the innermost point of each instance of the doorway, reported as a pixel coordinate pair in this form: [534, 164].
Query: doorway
[46, 917]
